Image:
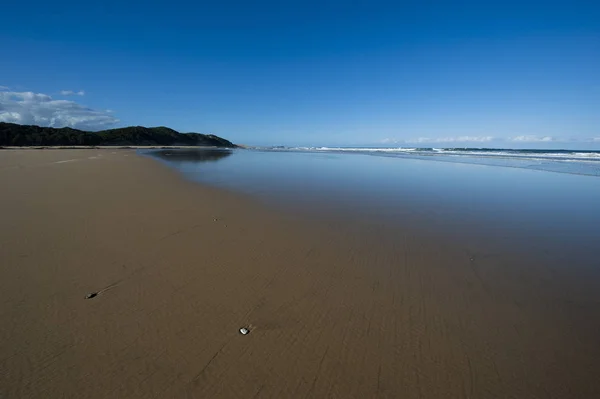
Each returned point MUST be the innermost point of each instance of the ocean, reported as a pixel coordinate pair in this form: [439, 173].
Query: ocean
[562, 161]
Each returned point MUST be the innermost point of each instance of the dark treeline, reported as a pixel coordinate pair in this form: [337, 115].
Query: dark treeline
[12, 134]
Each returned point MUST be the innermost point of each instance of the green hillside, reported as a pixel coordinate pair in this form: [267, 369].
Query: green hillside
[12, 134]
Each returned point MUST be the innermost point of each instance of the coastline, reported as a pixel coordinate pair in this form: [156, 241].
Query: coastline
[117, 147]
[336, 308]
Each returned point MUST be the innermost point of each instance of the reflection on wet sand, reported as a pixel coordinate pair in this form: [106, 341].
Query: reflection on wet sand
[192, 155]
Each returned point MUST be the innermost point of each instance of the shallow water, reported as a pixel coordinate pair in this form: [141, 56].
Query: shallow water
[518, 206]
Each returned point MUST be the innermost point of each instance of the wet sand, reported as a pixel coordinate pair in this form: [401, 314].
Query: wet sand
[337, 308]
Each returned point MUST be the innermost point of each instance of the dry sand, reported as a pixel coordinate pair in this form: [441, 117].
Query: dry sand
[341, 310]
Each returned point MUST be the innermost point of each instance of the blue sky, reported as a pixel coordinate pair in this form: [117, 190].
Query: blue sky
[432, 73]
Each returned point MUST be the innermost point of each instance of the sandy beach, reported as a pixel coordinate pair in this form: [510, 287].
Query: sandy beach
[336, 309]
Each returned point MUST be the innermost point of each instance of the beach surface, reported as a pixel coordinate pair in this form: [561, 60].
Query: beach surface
[336, 307]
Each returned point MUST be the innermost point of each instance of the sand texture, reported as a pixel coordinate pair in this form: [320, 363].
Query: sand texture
[335, 310]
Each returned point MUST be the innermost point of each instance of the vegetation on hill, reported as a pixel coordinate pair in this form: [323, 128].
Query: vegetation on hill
[12, 134]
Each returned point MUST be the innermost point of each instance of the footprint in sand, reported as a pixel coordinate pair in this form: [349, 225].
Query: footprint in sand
[95, 294]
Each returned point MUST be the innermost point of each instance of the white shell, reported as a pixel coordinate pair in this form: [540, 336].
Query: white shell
[244, 331]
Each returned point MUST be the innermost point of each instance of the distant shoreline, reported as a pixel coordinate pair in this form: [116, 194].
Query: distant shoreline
[114, 147]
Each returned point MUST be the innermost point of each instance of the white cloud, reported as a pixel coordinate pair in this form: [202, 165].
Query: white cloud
[72, 93]
[30, 108]
[487, 139]
[4, 88]
[532, 139]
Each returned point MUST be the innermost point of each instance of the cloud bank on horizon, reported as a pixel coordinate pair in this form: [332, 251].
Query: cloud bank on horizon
[491, 139]
[29, 108]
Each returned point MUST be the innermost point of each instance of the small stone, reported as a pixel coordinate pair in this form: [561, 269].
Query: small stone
[244, 331]
[91, 295]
